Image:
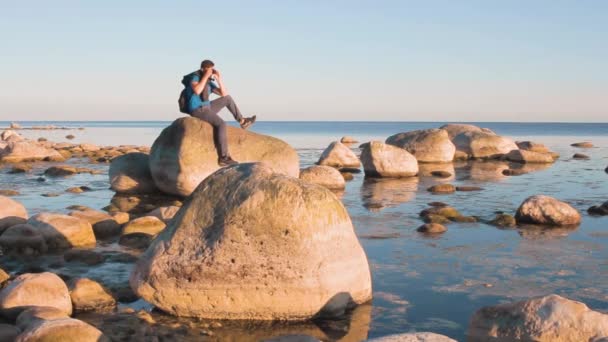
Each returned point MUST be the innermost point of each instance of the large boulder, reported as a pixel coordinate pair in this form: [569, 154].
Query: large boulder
[27, 150]
[549, 318]
[89, 295]
[23, 239]
[545, 210]
[61, 329]
[456, 129]
[326, 176]
[34, 289]
[130, 174]
[253, 244]
[383, 160]
[427, 145]
[339, 155]
[11, 213]
[482, 145]
[63, 231]
[184, 154]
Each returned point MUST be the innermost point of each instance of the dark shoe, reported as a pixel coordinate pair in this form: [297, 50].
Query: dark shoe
[226, 161]
[247, 122]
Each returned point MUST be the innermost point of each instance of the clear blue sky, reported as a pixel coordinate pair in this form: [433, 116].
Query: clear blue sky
[308, 60]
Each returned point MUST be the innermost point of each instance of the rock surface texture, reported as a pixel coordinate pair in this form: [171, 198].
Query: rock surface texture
[545, 210]
[35, 289]
[130, 174]
[339, 155]
[428, 145]
[326, 176]
[549, 318]
[253, 244]
[383, 160]
[184, 154]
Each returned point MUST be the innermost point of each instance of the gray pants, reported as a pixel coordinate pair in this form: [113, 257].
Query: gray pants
[209, 114]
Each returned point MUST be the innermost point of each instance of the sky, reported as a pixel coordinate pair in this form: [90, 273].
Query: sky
[517, 60]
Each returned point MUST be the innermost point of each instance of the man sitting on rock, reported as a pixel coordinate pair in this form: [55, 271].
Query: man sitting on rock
[199, 85]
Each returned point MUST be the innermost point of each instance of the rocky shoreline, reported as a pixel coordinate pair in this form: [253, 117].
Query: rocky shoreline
[260, 241]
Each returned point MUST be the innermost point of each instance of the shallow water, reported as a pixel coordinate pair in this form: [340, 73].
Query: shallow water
[420, 283]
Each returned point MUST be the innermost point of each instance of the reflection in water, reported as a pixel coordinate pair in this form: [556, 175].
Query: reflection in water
[425, 169]
[532, 232]
[380, 193]
[530, 167]
[490, 170]
[353, 326]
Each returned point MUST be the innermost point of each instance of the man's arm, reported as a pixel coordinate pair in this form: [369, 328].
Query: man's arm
[199, 86]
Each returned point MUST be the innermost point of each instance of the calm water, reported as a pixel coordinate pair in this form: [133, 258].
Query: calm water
[420, 283]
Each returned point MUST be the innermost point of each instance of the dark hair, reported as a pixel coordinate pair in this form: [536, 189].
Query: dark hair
[206, 64]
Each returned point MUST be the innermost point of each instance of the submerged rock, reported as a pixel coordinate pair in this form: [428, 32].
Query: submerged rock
[481, 145]
[11, 213]
[184, 154]
[63, 231]
[34, 289]
[240, 248]
[61, 171]
[428, 145]
[62, 329]
[326, 176]
[503, 220]
[89, 295]
[383, 160]
[339, 155]
[549, 318]
[545, 210]
[130, 174]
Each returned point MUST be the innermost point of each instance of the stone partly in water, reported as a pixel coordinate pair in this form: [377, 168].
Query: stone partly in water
[22, 151]
[63, 231]
[580, 156]
[549, 318]
[428, 145]
[130, 174]
[600, 210]
[545, 210]
[503, 220]
[532, 146]
[23, 239]
[480, 145]
[34, 289]
[11, 213]
[61, 171]
[383, 160]
[584, 144]
[326, 176]
[432, 228]
[442, 188]
[240, 248]
[339, 155]
[104, 225]
[525, 156]
[184, 154]
[89, 295]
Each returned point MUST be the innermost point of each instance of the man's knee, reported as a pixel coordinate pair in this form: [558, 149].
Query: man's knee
[228, 98]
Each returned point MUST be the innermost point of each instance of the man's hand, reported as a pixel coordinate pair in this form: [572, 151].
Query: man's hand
[217, 73]
[208, 73]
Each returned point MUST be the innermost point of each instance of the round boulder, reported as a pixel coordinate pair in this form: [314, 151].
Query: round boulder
[545, 210]
[63, 231]
[184, 154]
[34, 289]
[383, 160]
[240, 248]
[432, 228]
[428, 145]
[548, 318]
[150, 225]
[62, 329]
[130, 174]
[339, 155]
[481, 145]
[326, 176]
[23, 239]
[89, 295]
[11, 213]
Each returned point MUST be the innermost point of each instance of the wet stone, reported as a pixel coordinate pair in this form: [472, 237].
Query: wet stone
[432, 228]
[584, 144]
[441, 174]
[503, 220]
[442, 189]
[580, 156]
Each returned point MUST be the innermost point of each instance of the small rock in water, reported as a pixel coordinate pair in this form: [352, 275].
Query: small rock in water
[339, 155]
[441, 174]
[503, 220]
[432, 228]
[349, 176]
[50, 194]
[545, 210]
[584, 144]
[326, 176]
[580, 156]
[41, 139]
[70, 136]
[41, 179]
[21, 168]
[442, 189]
[432, 218]
[600, 210]
[78, 189]
[437, 204]
[60, 171]
[468, 188]
[348, 140]
[464, 219]
[8, 192]
[513, 172]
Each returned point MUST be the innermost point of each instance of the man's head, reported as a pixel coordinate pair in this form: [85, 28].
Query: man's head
[206, 64]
